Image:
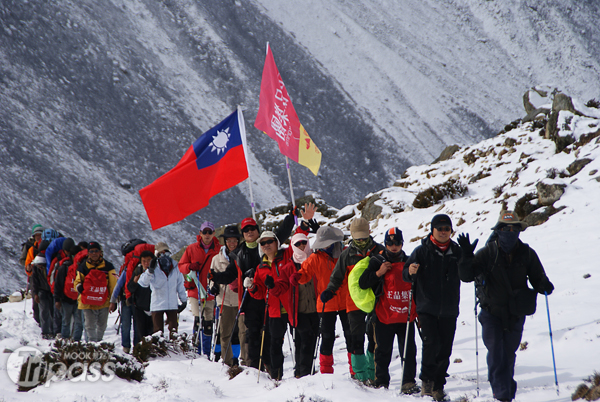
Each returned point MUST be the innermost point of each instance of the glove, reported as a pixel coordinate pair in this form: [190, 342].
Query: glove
[295, 279]
[153, 265]
[215, 290]
[314, 226]
[195, 266]
[465, 244]
[249, 273]
[295, 211]
[211, 274]
[327, 295]
[189, 285]
[80, 288]
[269, 282]
[546, 287]
[248, 283]
[182, 307]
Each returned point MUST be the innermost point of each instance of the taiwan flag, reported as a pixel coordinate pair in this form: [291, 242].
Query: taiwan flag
[213, 163]
[278, 119]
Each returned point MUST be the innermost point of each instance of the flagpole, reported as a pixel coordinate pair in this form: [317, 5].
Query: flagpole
[242, 125]
[289, 172]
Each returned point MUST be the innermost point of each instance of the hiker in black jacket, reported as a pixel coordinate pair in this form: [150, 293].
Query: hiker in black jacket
[433, 269]
[501, 270]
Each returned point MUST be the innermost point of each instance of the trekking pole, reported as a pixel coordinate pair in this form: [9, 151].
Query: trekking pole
[235, 323]
[262, 342]
[552, 345]
[25, 304]
[291, 351]
[117, 321]
[217, 329]
[406, 337]
[476, 342]
[312, 370]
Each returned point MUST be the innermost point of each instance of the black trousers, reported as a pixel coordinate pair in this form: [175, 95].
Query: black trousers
[305, 341]
[384, 344]
[438, 337]
[502, 346]
[143, 322]
[358, 329]
[277, 327]
[328, 331]
[254, 311]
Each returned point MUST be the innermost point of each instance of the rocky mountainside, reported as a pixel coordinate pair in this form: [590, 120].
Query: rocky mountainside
[97, 99]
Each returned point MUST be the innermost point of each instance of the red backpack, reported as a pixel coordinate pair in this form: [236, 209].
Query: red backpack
[56, 262]
[69, 289]
[133, 259]
[95, 288]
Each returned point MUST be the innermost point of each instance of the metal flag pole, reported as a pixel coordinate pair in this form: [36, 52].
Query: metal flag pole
[242, 126]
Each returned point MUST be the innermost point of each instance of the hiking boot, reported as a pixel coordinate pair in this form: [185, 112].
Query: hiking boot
[439, 395]
[410, 388]
[127, 350]
[427, 389]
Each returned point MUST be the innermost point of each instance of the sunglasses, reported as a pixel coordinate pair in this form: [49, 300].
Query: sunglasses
[362, 240]
[249, 229]
[93, 251]
[393, 243]
[444, 229]
[510, 228]
[301, 243]
[207, 231]
[266, 242]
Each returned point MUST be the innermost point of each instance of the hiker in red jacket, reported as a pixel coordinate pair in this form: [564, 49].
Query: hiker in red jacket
[195, 262]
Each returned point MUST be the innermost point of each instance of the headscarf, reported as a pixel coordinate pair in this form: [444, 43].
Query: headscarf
[299, 255]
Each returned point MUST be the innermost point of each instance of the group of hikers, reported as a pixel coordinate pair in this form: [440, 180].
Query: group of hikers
[244, 295]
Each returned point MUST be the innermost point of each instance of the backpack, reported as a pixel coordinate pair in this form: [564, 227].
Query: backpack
[69, 289]
[363, 298]
[129, 246]
[133, 259]
[95, 288]
[54, 265]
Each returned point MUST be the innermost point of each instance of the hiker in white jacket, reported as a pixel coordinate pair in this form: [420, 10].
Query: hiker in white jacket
[168, 293]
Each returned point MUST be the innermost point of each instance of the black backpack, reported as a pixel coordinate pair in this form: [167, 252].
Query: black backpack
[128, 246]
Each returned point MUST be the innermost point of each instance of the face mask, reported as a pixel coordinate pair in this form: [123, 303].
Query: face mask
[507, 240]
[361, 245]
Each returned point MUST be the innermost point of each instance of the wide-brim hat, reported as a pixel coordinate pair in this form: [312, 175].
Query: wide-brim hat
[509, 218]
[326, 236]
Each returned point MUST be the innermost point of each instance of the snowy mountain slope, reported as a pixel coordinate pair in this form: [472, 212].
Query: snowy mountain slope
[97, 99]
[514, 162]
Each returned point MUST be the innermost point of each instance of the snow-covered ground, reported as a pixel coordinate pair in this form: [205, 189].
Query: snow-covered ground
[565, 244]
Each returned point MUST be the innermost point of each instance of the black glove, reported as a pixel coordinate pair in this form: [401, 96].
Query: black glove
[181, 307]
[80, 288]
[545, 287]
[295, 211]
[327, 295]
[249, 273]
[211, 274]
[314, 226]
[153, 265]
[269, 282]
[215, 290]
[465, 244]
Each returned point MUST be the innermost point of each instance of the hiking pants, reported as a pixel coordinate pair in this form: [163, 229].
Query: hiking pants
[71, 315]
[384, 344]
[159, 323]
[328, 331]
[255, 313]
[502, 347]
[127, 314]
[95, 323]
[143, 322]
[46, 311]
[226, 328]
[357, 320]
[305, 342]
[438, 336]
[277, 327]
